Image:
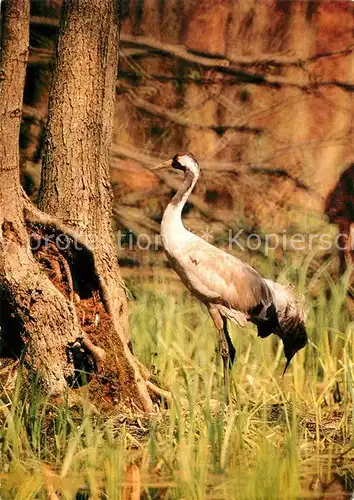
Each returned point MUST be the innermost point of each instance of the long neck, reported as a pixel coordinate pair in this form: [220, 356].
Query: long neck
[175, 207]
[180, 198]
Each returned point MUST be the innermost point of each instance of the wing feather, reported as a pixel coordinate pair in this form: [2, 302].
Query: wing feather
[222, 278]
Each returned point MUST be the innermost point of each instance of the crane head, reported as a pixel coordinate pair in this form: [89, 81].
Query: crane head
[294, 339]
[181, 161]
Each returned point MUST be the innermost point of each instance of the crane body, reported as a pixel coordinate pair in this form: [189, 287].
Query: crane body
[230, 289]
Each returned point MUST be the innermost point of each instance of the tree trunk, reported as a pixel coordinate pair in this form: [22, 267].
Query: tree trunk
[29, 301]
[14, 52]
[73, 316]
[75, 183]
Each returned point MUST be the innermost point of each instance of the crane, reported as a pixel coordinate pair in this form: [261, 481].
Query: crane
[230, 289]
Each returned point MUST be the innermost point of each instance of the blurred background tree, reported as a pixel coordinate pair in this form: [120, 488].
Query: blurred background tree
[260, 93]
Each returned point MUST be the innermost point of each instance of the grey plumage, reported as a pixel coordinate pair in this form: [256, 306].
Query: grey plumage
[230, 288]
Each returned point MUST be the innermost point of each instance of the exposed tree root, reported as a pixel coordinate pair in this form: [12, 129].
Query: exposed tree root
[91, 300]
[97, 352]
[36, 217]
[166, 395]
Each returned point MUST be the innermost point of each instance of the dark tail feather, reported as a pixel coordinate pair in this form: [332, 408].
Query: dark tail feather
[268, 325]
[264, 330]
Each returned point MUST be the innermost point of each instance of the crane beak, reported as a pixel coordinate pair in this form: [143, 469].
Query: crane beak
[165, 164]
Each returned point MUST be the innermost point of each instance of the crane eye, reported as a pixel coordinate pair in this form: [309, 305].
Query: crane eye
[177, 165]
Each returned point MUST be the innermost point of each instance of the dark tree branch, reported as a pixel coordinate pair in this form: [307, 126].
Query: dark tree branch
[154, 46]
[280, 59]
[241, 77]
[146, 45]
[280, 172]
[45, 21]
[215, 166]
[181, 120]
[283, 60]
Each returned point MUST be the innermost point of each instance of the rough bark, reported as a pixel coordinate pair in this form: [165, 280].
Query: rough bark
[14, 52]
[75, 184]
[30, 304]
[73, 316]
[75, 176]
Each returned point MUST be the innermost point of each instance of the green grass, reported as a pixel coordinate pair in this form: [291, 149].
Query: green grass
[280, 438]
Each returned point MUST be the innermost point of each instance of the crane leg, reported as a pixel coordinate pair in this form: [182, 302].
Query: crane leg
[224, 348]
[232, 350]
[227, 349]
